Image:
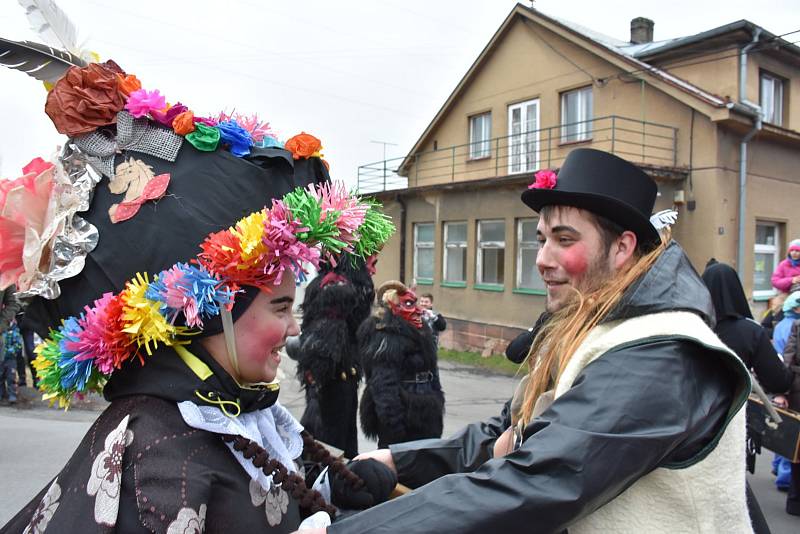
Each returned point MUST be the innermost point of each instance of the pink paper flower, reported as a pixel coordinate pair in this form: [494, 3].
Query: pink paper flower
[285, 250]
[334, 199]
[23, 220]
[545, 179]
[254, 126]
[142, 102]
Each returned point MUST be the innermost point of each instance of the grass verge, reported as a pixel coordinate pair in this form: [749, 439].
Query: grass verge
[497, 363]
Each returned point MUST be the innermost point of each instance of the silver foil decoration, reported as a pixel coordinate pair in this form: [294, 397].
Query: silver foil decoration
[68, 238]
[136, 135]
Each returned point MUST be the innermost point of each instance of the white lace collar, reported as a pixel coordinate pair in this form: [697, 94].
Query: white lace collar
[273, 428]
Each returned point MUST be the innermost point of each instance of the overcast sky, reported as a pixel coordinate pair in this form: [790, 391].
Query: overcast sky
[350, 72]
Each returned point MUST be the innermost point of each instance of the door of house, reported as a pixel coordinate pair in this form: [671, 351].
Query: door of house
[523, 136]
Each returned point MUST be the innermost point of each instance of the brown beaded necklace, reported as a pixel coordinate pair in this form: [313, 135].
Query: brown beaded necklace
[310, 501]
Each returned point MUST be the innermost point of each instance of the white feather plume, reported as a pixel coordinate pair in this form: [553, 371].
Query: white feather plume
[52, 25]
[663, 219]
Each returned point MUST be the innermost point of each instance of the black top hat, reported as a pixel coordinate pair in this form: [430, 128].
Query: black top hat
[606, 185]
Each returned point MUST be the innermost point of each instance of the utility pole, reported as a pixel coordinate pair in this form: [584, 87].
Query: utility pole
[384, 143]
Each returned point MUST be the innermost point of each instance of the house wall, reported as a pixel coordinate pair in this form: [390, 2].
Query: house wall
[791, 74]
[529, 62]
[717, 73]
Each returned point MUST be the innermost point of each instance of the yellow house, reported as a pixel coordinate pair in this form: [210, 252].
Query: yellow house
[713, 117]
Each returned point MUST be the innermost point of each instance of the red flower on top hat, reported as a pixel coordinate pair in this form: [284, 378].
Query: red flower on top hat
[545, 179]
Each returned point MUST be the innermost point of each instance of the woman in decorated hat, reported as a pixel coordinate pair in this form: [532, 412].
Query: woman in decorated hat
[161, 252]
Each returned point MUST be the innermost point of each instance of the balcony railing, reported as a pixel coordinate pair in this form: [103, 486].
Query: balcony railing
[635, 140]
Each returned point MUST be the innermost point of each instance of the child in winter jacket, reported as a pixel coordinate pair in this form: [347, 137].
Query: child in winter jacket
[788, 271]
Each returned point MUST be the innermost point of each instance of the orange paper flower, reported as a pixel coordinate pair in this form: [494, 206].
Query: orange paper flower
[85, 99]
[303, 145]
[184, 123]
[128, 84]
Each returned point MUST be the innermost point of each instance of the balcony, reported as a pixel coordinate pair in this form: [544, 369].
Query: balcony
[642, 142]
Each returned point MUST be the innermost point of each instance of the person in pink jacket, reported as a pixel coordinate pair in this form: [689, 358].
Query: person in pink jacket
[788, 271]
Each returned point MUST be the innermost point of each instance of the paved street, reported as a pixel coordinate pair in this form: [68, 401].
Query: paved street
[37, 442]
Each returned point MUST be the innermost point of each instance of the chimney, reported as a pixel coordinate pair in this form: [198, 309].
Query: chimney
[642, 30]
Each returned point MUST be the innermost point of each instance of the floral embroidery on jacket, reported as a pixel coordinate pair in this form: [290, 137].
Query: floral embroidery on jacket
[106, 476]
[189, 521]
[275, 500]
[45, 511]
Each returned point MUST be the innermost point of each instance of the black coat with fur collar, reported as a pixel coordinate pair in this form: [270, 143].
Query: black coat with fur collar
[403, 399]
[327, 352]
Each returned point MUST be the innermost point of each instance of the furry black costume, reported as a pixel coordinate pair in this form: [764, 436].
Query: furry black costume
[335, 303]
[403, 399]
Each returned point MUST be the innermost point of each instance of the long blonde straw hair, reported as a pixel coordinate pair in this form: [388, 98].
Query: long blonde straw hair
[557, 341]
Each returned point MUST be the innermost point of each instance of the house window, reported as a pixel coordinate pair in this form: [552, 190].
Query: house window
[527, 247]
[767, 255]
[455, 252]
[491, 252]
[480, 133]
[771, 99]
[523, 137]
[576, 115]
[423, 252]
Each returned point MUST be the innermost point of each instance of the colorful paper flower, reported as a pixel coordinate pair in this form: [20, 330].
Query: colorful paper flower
[102, 339]
[221, 253]
[235, 137]
[85, 99]
[183, 124]
[346, 209]
[208, 121]
[36, 166]
[128, 84]
[282, 233]
[168, 115]
[374, 232]
[24, 205]
[48, 353]
[256, 128]
[75, 372]
[143, 320]
[189, 290]
[205, 138]
[269, 141]
[315, 224]
[545, 179]
[303, 145]
[142, 102]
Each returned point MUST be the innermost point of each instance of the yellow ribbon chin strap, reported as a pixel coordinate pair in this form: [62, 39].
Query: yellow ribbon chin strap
[203, 371]
[194, 363]
[230, 338]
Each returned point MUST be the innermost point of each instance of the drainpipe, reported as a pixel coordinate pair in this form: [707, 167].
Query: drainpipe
[402, 273]
[756, 115]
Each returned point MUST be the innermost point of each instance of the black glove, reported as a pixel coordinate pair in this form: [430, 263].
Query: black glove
[378, 483]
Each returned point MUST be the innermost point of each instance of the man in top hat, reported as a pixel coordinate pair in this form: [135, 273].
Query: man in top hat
[631, 418]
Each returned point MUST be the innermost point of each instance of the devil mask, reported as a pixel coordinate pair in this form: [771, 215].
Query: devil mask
[404, 304]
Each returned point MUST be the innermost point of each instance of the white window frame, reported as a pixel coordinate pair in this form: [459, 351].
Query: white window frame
[447, 246]
[488, 245]
[771, 97]
[522, 139]
[481, 148]
[763, 248]
[526, 245]
[426, 245]
[585, 103]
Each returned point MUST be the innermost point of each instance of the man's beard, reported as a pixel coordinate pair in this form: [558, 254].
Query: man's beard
[597, 274]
